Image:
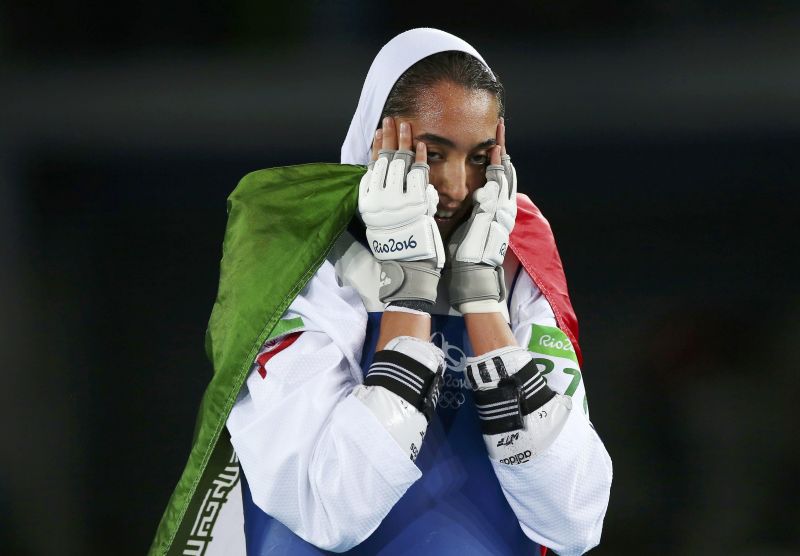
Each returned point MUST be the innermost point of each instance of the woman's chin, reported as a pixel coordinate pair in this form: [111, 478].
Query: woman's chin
[446, 227]
[449, 225]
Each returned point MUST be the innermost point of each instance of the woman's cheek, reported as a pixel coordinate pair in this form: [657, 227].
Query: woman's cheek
[476, 178]
[434, 176]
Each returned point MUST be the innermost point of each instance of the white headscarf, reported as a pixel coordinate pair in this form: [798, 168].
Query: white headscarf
[399, 54]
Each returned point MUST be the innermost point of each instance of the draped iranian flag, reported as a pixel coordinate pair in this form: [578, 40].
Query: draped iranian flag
[281, 224]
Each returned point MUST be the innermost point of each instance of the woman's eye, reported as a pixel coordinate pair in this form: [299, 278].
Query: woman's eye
[434, 156]
[480, 159]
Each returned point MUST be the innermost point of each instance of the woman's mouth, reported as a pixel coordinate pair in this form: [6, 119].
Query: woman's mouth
[443, 216]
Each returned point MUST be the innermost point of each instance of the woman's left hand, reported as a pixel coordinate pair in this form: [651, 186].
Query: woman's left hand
[478, 247]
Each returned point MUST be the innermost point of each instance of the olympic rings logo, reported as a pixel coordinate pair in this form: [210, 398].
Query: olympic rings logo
[454, 377]
[451, 400]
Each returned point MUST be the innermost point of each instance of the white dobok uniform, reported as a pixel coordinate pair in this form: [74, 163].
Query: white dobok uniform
[321, 472]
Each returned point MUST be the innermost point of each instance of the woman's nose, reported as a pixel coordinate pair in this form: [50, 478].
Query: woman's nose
[452, 185]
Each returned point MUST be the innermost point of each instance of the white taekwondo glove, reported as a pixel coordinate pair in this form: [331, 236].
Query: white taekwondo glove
[397, 207]
[520, 415]
[474, 276]
[401, 388]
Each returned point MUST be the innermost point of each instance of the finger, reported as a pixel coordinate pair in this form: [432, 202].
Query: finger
[486, 196]
[405, 137]
[494, 156]
[501, 135]
[421, 172]
[403, 158]
[376, 145]
[505, 219]
[422, 153]
[378, 173]
[433, 199]
[363, 188]
[496, 182]
[513, 173]
[505, 188]
[389, 134]
[395, 177]
[417, 182]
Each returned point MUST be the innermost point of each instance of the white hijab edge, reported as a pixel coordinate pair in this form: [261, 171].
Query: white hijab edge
[399, 54]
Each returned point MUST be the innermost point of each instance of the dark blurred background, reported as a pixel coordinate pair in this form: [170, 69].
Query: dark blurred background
[659, 137]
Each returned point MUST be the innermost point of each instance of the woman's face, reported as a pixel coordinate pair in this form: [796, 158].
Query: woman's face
[459, 127]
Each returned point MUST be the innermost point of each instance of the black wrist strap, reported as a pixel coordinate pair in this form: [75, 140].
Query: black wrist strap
[406, 377]
[414, 304]
[503, 408]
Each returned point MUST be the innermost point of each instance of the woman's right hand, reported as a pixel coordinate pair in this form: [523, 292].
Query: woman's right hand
[397, 204]
[396, 201]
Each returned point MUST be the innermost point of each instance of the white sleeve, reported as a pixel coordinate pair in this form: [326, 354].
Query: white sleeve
[560, 495]
[315, 457]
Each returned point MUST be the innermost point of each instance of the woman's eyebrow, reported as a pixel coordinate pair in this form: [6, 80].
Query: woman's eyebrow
[488, 143]
[445, 142]
[436, 139]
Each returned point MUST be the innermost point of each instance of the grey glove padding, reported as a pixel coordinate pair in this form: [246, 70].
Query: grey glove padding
[409, 280]
[474, 282]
